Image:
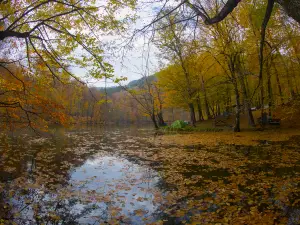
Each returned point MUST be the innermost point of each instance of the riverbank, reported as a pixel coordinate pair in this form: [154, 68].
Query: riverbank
[119, 174]
[228, 137]
[206, 133]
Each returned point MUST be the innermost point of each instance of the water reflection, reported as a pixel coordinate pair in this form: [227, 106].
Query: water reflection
[118, 176]
[76, 178]
[125, 189]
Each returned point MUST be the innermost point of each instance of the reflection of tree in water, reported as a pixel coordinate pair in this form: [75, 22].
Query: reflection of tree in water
[35, 207]
[37, 170]
[30, 172]
[241, 183]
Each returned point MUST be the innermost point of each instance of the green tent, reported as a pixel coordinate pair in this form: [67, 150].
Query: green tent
[178, 124]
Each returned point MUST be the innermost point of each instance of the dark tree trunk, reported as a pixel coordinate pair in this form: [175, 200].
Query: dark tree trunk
[189, 90]
[278, 84]
[247, 103]
[154, 121]
[160, 117]
[212, 109]
[228, 100]
[205, 100]
[192, 114]
[290, 87]
[258, 102]
[246, 100]
[218, 109]
[200, 115]
[294, 78]
[236, 127]
[269, 89]
[291, 7]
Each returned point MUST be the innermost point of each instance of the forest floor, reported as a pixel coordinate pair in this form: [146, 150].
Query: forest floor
[228, 137]
[224, 134]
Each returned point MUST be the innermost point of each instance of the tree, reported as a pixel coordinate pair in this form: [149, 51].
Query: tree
[291, 7]
[204, 10]
[174, 42]
[28, 102]
[159, 102]
[50, 36]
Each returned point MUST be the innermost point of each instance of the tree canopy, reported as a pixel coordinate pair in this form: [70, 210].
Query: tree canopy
[220, 57]
[45, 39]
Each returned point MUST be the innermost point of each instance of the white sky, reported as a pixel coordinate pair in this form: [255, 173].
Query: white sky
[130, 63]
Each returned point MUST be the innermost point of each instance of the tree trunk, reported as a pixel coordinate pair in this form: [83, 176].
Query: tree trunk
[269, 89]
[247, 103]
[160, 117]
[262, 102]
[236, 127]
[264, 25]
[291, 7]
[212, 109]
[189, 90]
[278, 84]
[218, 109]
[161, 121]
[205, 100]
[192, 114]
[200, 115]
[294, 78]
[154, 121]
[290, 87]
[228, 100]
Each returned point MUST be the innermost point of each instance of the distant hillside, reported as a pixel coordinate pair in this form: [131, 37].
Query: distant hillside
[131, 84]
[140, 82]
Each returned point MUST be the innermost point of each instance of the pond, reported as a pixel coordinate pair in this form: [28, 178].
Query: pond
[125, 176]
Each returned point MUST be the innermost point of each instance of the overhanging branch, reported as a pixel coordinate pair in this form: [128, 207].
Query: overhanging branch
[227, 8]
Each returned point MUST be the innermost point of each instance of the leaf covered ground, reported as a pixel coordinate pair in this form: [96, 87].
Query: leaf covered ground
[124, 177]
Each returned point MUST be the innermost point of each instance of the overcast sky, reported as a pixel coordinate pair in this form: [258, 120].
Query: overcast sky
[132, 63]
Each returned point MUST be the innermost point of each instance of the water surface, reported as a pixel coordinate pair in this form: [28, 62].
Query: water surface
[123, 176]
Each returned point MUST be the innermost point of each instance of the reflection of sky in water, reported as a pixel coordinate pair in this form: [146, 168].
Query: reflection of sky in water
[56, 181]
[129, 187]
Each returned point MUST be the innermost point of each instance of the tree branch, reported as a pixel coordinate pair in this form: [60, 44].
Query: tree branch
[227, 8]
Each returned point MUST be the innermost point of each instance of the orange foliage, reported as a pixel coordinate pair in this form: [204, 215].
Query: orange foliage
[27, 102]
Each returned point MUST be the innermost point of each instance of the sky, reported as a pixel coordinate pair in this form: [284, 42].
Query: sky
[134, 62]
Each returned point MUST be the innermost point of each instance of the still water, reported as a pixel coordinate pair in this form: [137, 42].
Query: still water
[124, 176]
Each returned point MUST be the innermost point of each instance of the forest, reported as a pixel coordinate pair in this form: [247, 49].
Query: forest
[206, 131]
[228, 67]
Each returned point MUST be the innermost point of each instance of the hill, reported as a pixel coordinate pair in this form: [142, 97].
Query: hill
[132, 84]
